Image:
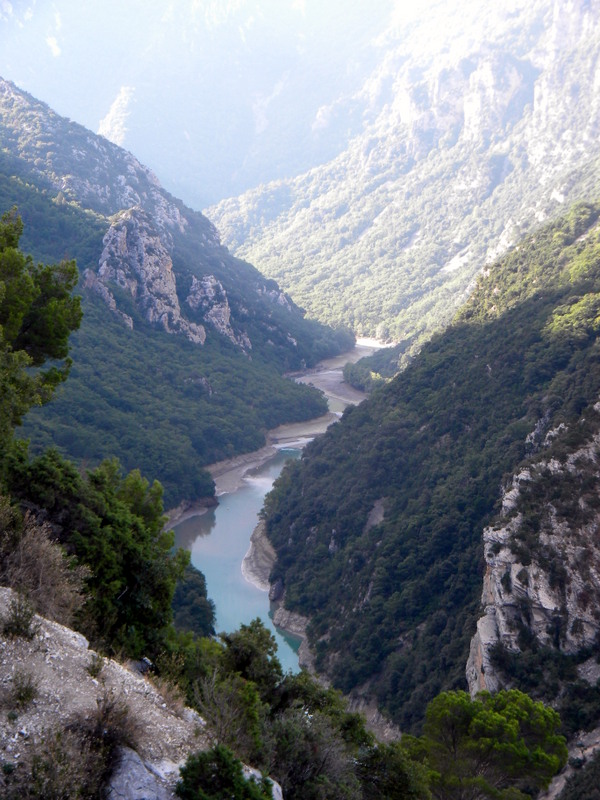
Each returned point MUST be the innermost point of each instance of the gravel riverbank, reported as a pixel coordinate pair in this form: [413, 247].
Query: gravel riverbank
[259, 560]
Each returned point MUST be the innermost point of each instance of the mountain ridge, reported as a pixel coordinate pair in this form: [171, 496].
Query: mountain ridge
[393, 605]
[162, 298]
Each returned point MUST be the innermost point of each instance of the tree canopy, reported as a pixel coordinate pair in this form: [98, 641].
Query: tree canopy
[218, 775]
[492, 746]
[37, 314]
[114, 524]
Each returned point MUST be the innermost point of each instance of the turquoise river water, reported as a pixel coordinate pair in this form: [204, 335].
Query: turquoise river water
[218, 541]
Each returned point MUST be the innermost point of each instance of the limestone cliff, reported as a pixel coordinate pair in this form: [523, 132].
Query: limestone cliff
[542, 575]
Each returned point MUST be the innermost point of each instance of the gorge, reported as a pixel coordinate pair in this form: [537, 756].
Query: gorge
[442, 536]
[219, 538]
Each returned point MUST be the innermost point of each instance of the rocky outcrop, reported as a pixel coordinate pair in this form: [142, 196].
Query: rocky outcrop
[376, 515]
[296, 625]
[385, 730]
[68, 689]
[161, 261]
[132, 780]
[208, 296]
[135, 258]
[93, 284]
[542, 572]
[259, 560]
[275, 296]
[59, 662]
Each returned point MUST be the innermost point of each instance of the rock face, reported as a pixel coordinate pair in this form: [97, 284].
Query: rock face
[135, 258]
[543, 562]
[258, 561]
[208, 296]
[58, 660]
[131, 780]
[296, 624]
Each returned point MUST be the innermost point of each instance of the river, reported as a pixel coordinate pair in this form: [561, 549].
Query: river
[218, 538]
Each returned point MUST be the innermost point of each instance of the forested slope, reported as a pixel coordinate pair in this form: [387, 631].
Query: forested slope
[180, 357]
[393, 604]
[478, 123]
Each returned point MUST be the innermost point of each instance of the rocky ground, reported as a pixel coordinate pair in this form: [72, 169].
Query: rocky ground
[65, 686]
[581, 751]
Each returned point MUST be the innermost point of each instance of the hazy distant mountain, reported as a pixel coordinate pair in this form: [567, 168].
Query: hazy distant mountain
[393, 148]
[180, 357]
[477, 126]
[216, 96]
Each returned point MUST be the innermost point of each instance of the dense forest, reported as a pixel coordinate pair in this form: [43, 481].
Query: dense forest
[393, 603]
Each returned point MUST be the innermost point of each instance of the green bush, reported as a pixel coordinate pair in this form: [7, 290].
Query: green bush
[218, 775]
[114, 524]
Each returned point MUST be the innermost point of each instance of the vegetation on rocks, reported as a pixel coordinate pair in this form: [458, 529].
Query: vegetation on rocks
[502, 746]
[584, 783]
[217, 774]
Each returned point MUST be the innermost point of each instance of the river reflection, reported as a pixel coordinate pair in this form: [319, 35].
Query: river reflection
[218, 541]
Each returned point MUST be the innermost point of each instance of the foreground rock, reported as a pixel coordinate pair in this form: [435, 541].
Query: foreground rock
[131, 780]
[72, 688]
[59, 664]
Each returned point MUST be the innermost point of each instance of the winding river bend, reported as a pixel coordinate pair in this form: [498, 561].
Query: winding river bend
[218, 539]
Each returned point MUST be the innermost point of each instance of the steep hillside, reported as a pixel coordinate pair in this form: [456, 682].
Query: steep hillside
[179, 359]
[73, 684]
[378, 529]
[478, 124]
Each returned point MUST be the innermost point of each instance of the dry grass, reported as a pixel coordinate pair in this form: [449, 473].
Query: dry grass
[37, 567]
[24, 688]
[62, 764]
[170, 693]
[20, 620]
